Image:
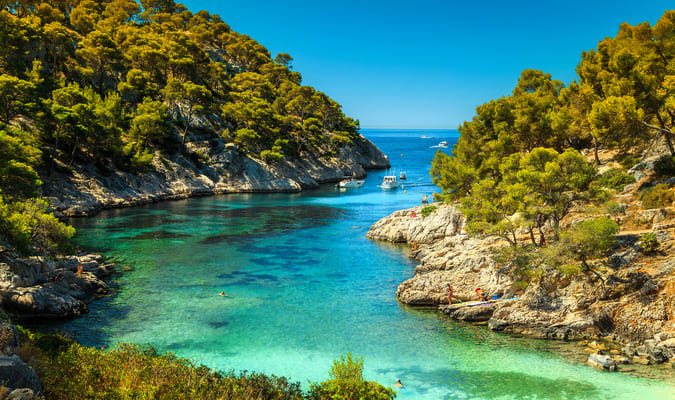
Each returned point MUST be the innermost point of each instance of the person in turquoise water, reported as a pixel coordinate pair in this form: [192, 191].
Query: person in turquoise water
[399, 384]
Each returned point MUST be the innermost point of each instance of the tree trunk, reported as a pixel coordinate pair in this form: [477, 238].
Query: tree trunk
[534, 242]
[595, 150]
[188, 118]
[596, 273]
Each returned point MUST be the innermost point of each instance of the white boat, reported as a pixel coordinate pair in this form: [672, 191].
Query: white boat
[402, 176]
[426, 137]
[351, 183]
[389, 182]
[443, 144]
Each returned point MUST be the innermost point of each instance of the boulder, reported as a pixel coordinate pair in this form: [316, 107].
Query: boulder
[23, 394]
[16, 374]
[470, 313]
[602, 361]
[409, 225]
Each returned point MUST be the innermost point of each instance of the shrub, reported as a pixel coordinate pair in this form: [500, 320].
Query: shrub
[649, 242]
[246, 137]
[598, 193]
[346, 382]
[427, 210]
[71, 371]
[627, 161]
[616, 179]
[665, 166]
[656, 197]
[569, 269]
[615, 208]
[31, 226]
[270, 156]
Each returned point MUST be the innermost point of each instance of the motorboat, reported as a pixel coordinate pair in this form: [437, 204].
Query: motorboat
[443, 144]
[389, 182]
[402, 176]
[351, 183]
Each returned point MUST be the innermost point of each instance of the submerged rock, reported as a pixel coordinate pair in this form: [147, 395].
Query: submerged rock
[602, 361]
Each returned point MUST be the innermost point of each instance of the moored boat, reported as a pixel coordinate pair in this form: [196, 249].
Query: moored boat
[443, 144]
[389, 182]
[351, 183]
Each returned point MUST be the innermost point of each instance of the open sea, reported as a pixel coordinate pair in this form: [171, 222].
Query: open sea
[305, 286]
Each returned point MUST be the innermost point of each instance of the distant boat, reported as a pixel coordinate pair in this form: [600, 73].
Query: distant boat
[351, 183]
[426, 137]
[389, 182]
[443, 144]
[402, 176]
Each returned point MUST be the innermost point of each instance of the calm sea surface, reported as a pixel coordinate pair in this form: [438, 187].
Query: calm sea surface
[305, 286]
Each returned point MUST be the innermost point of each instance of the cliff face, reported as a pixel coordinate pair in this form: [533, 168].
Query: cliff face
[635, 305]
[222, 168]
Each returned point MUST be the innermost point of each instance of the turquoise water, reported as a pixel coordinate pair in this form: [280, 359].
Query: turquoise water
[305, 286]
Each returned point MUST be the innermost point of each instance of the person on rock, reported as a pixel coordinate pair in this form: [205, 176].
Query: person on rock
[481, 296]
[449, 293]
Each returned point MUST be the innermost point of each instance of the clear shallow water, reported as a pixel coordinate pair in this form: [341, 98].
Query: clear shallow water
[305, 286]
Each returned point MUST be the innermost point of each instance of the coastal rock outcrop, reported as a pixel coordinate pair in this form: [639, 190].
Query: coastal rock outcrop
[84, 189]
[33, 288]
[633, 303]
[409, 226]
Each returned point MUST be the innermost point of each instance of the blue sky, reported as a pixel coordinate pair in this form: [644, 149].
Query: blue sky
[427, 64]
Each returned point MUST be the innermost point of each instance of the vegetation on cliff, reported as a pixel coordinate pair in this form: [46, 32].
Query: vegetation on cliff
[117, 83]
[518, 166]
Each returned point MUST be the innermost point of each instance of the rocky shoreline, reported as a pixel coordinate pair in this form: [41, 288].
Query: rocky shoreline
[633, 311]
[84, 190]
[32, 288]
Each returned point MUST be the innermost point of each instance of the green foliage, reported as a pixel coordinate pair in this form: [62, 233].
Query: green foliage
[426, 211]
[657, 196]
[246, 138]
[135, 159]
[649, 242]
[584, 241]
[346, 382]
[665, 167]
[616, 179]
[18, 178]
[522, 261]
[529, 191]
[31, 227]
[569, 269]
[615, 208]
[140, 372]
[270, 156]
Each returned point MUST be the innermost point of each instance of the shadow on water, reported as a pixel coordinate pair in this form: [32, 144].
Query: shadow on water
[160, 234]
[93, 330]
[247, 278]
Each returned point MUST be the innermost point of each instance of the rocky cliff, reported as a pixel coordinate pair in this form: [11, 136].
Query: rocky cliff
[220, 168]
[635, 306]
